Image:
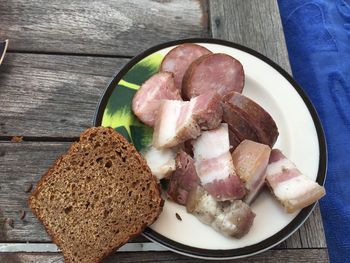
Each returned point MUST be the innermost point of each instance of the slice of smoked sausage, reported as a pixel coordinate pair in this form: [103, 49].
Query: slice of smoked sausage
[238, 123]
[213, 72]
[146, 101]
[265, 126]
[234, 140]
[179, 59]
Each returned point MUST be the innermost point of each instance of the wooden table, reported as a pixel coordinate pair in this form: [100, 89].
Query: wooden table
[61, 57]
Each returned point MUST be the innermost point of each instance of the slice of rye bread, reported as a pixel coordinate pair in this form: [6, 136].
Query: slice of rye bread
[97, 196]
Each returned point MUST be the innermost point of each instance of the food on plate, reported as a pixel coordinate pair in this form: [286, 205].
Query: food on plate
[213, 148]
[234, 139]
[265, 126]
[292, 189]
[240, 128]
[231, 218]
[214, 165]
[188, 147]
[251, 159]
[146, 101]
[184, 179]
[219, 72]
[207, 110]
[175, 124]
[97, 196]
[179, 58]
[160, 161]
[179, 121]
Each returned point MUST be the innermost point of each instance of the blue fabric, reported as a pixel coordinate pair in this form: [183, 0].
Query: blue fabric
[318, 39]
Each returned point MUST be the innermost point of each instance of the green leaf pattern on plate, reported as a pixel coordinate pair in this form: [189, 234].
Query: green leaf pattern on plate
[118, 113]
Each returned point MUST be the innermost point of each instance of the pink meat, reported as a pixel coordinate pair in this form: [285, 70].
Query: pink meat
[276, 155]
[293, 189]
[214, 165]
[251, 159]
[226, 189]
[179, 121]
[179, 58]
[146, 101]
[174, 125]
[231, 218]
[208, 110]
[280, 177]
[184, 179]
[214, 72]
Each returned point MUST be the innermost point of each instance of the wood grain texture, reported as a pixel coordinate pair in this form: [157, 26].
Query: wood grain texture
[99, 27]
[271, 256]
[50, 95]
[25, 162]
[253, 23]
[315, 237]
[257, 24]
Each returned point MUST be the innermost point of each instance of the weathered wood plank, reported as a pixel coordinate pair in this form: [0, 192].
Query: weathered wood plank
[253, 23]
[49, 95]
[271, 256]
[315, 237]
[99, 27]
[257, 24]
[25, 162]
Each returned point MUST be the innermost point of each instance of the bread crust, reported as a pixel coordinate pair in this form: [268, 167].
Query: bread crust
[46, 176]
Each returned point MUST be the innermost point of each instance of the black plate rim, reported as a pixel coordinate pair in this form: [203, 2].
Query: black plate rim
[288, 230]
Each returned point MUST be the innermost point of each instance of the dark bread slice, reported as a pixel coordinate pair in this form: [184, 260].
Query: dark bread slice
[97, 196]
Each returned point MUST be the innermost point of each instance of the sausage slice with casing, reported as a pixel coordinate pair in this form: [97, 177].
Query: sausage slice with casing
[265, 127]
[179, 59]
[213, 72]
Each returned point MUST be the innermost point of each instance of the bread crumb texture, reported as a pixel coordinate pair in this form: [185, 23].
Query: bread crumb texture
[97, 196]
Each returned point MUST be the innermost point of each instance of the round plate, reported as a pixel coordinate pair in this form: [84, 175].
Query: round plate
[301, 139]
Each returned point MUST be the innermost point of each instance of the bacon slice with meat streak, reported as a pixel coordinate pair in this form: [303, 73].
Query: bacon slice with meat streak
[214, 165]
[251, 159]
[207, 110]
[146, 101]
[293, 189]
[184, 179]
[231, 218]
[179, 121]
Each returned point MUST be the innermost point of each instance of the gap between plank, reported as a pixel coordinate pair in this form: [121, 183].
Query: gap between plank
[129, 247]
[49, 247]
[40, 139]
[68, 54]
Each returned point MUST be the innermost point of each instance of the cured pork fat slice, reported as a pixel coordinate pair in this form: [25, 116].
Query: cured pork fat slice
[214, 165]
[179, 121]
[292, 189]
